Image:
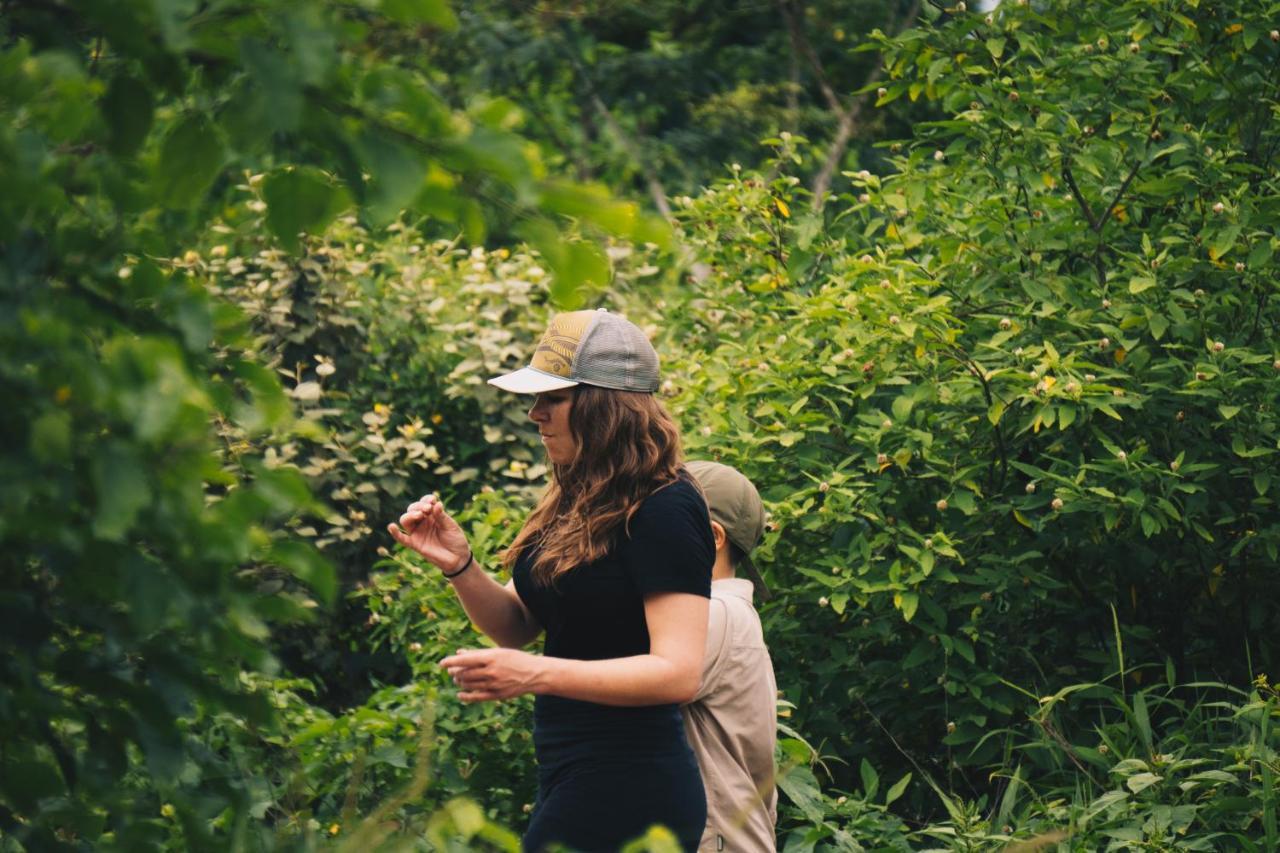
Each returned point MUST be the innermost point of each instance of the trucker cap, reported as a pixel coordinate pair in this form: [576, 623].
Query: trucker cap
[587, 348]
[735, 504]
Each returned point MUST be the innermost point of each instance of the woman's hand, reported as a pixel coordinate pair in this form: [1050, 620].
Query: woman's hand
[490, 675]
[427, 529]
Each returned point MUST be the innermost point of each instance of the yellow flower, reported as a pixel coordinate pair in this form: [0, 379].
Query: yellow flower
[335, 828]
[437, 419]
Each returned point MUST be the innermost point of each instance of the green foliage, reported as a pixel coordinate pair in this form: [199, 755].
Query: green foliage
[1118, 789]
[985, 397]
[663, 95]
[147, 557]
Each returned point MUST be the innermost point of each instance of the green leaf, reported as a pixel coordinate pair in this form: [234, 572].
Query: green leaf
[1223, 241]
[50, 438]
[907, 602]
[435, 13]
[1228, 412]
[899, 788]
[1140, 283]
[801, 787]
[591, 203]
[996, 412]
[902, 407]
[1261, 482]
[121, 489]
[396, 176]
[1259, 255]
[870, 781]
[160, 739]
[1141, 781]
[301, 200]
[307, 565]
[579, 267]
[191, 156]
[127, 108]
[1150, 526]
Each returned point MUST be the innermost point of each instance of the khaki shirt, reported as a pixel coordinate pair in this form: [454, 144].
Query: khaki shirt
[732, 725]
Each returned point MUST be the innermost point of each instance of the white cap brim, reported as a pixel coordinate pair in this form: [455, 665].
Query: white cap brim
[527, 380]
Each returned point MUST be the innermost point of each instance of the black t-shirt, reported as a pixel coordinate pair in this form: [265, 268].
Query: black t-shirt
[596, 611]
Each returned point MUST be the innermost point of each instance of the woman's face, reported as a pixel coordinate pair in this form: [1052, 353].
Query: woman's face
[551, 413]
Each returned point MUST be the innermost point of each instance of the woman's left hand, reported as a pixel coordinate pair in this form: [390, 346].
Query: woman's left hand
[490, 675]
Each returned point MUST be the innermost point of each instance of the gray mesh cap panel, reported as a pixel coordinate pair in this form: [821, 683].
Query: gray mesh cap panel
[615, 354]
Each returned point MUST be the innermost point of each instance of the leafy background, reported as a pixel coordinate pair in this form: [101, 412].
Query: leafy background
[983, 300]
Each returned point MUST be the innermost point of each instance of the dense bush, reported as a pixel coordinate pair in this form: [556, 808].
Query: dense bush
[145, 559]
[1021, 384]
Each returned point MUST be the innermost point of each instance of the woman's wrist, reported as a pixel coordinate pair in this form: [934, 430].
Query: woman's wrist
[544, 678]
[471, 558]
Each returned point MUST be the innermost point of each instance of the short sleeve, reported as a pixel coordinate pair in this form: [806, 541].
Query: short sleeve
[669, 546]
[717, 634]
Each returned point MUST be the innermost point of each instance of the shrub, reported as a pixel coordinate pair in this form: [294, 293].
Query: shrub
[1023, 377]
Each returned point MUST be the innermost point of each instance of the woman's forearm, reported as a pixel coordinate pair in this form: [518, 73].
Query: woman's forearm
[494, 609]
[636, 680]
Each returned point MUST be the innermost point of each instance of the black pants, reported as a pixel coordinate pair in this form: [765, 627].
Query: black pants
[595, 805]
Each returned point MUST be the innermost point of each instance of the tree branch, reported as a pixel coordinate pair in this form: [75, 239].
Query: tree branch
[848, 117]
[1079, 196]
[656, 190]
[1119, 195]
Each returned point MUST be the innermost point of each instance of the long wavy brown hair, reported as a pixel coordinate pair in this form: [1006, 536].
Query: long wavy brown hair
[628, 448]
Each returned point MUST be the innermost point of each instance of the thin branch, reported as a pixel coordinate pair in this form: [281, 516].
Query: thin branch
[1115, 202]
[1079, 196]
[800, 45]
[849, 116]
[656, 190]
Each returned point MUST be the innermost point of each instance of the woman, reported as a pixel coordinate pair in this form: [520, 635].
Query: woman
[614, 564]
